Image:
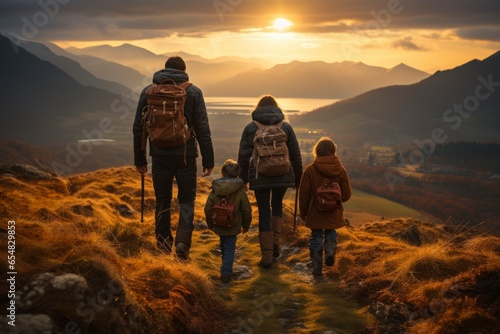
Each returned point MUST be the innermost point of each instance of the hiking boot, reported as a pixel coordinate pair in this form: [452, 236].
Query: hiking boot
[319, 279]
[276, 226]
[266, 248]
[182, 251]
[330, 246]
[317, 262]
[225, 278]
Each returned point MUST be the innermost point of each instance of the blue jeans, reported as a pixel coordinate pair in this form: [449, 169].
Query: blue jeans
[227, 248]
[322, 239]
[164, 170]
[316, 242]
[268, 205]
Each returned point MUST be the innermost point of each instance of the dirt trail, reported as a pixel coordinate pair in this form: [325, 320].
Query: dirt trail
[283, 299]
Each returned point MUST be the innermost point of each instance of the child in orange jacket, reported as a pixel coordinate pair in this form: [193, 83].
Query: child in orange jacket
[323, 225]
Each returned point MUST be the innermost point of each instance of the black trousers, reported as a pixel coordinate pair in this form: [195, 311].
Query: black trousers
[164, 170]
[269, 203]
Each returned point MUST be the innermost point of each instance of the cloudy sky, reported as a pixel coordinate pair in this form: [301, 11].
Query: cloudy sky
[426, 34]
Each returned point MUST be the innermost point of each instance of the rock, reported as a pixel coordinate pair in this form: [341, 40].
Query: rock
[301, 268]
[29, 324]
[379, 310]
[76, 298]
[200, 225]
[207, 235]
[48, 284]
[411, 236]
[124, 210]
[241, 272]
[286, 251]
[22, 171]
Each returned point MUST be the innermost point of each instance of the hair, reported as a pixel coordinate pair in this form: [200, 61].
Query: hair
[267, 101]
[324, 147]
[230, 169]
[176, 63]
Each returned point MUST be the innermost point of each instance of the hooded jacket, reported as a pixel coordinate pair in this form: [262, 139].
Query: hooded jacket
[196, 114]
[268, 116]
[234, 188]
[314, 174]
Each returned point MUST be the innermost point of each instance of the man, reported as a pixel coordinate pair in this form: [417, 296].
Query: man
[178, 162]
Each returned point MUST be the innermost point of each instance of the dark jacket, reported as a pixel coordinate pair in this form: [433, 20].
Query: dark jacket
[268, 116]
[314, 174]
[196, 115]
[220, 189]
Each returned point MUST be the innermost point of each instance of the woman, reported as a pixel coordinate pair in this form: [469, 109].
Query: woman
[326, 165]
[269, 190]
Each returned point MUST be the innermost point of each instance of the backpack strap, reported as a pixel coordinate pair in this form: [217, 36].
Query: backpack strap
[185, 85]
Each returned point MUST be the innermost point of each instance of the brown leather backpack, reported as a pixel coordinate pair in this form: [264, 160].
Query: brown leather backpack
[270, 154]
[163, 118]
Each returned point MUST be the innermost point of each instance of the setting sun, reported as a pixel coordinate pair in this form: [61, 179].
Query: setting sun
[282, 24]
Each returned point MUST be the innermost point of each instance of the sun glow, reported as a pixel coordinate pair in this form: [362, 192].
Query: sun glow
[282, 24]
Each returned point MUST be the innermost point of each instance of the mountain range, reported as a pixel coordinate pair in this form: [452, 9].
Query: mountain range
[203, 72]
[50, 99]
[315, 80]
[41, 103]
[236, 76]
[463, 102]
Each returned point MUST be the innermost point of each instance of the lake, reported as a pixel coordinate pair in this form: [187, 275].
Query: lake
[244, 105]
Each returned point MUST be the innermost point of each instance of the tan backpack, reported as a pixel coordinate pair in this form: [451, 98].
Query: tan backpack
[163, 118]
[270, 154]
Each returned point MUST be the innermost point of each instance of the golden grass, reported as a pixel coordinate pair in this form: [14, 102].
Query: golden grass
[459, 317]
[72, 225]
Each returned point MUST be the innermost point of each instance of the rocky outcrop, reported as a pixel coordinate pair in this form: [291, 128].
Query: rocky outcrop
[25, 172]
[54, 303]
[411, 236]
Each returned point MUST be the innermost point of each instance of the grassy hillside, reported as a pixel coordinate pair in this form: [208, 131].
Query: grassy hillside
[88, 225]
[365, 208]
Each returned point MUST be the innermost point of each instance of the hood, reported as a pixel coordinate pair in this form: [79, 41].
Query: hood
[226, 186]
[329, 166]
[170, 73]
[268, 115]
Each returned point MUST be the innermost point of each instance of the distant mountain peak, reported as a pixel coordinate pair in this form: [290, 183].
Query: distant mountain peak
[403, 68]
[495, 55]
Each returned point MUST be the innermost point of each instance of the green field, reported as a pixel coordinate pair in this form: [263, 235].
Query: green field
[364, 208]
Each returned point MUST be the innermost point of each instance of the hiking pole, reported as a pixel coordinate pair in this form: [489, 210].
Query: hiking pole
[295, 210]
[142, 197]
